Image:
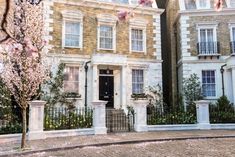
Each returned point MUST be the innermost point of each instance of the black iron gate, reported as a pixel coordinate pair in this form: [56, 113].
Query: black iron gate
[119, 121]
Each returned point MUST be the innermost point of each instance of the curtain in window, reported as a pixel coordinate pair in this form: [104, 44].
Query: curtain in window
[207, 43]
[137, 81]
[71, 79]
[202, 3]
[106, 37]
[190, 4]
[137, 41]
[72, 34]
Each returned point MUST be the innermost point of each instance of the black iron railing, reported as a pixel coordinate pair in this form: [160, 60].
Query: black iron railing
[118, 121]
[208, 48]
[222, 114]
[160, 116]
[60, 118]
[232, 47]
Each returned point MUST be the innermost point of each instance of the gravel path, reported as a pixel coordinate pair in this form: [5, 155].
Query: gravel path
[187, 148]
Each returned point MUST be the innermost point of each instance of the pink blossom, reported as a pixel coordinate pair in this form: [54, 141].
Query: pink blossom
[146, 2]
[218, 5]
[122, 15]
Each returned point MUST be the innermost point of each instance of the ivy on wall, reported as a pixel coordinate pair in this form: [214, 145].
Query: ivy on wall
[55, 94]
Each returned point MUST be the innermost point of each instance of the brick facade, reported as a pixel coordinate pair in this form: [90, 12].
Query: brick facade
[90, 32]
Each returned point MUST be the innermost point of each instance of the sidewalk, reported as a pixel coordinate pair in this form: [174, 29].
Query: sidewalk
[53, 144]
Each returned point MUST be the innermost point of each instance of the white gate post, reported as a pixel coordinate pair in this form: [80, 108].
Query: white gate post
[99, 116]
[36, 119]
[140, 107]
[203, 114]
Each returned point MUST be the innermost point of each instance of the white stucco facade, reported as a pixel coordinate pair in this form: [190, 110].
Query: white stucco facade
[192, 24]
[122, 73]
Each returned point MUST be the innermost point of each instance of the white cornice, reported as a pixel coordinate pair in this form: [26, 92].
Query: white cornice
[208, 12]
[112, 6]
[204, 12]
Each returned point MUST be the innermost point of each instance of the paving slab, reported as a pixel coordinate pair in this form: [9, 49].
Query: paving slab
[111, 139]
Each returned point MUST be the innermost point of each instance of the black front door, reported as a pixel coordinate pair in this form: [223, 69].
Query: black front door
[106, 92]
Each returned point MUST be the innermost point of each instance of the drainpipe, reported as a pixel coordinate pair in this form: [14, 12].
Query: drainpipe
[222, 74]
[86, 70]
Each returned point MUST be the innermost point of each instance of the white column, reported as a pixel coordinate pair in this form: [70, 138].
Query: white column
[233, 84]
[140, 107]
[99, 116]
[95, 79]
[203, 115]
[123, 87]
[36, 119]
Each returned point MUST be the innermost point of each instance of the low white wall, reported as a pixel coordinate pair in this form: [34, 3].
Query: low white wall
[49, 134]
[173, 127]
[223, 126]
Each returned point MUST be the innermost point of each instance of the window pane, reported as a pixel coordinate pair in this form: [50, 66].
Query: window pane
[208, 83]
[137, 40]
[71, 79]
[137, 81]
[106, 37]
[232, 3]
[190, 4]
[202, 3]
[233, 33]
[207, 42]
[72, 34]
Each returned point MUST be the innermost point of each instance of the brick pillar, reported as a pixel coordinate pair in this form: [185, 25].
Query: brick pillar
[99, 117]
[36, 120]
[140, 107]
[203, 114]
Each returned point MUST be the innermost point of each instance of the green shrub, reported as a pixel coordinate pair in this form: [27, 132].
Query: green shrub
[69, 120]
[222, 111]
[11, 129]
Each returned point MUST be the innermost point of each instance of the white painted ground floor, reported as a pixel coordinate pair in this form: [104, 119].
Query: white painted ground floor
[111, 77]
[209, 72]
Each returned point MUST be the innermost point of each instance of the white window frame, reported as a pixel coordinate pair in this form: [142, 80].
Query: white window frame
[207, 26]
[206, 7]
[232, 39]
[76, 17]
[113, 37]
[132, 79]
[79, 76]
[216, 90]
[144, 39]
[107, 20]
[231, 26]
[138, 23]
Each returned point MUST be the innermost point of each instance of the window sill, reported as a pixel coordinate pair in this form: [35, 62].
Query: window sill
[72, 47]
[133, 51]
[202, 55]
[106, 49]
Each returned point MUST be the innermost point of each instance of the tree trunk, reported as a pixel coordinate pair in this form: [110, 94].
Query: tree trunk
[24, 127]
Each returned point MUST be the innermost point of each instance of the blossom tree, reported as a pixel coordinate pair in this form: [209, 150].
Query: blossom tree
[21, 54]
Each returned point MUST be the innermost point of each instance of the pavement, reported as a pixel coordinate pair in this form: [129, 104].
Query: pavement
[71, 143]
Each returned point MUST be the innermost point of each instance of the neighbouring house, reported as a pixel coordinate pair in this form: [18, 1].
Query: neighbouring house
[202, 41]
[123, 58]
